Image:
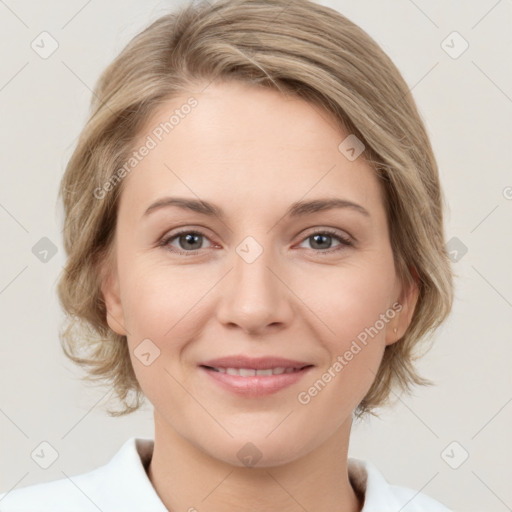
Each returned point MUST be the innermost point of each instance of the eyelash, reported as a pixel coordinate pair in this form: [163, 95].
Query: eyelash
[344, 242]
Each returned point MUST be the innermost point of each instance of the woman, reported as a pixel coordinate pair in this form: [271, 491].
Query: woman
[255, 243]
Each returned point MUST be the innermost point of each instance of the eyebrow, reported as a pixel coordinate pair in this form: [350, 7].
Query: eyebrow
[297, 209]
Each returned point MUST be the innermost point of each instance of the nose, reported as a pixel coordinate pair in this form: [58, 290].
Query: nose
[254, 296]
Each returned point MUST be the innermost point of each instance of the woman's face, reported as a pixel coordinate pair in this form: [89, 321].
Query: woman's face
[254, 274]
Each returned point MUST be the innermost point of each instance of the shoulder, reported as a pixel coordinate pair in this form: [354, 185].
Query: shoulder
[119, 485]
[414, 501]
[380, 496]
[66, 494]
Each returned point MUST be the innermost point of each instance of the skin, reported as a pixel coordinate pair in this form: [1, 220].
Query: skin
[253, 152]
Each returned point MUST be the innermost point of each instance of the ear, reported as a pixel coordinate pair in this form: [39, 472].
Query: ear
[404, 307]
[110, 290]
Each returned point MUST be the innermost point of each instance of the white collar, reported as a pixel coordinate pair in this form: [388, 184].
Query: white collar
[123, 485]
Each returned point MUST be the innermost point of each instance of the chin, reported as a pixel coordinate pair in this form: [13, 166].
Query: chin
[256, 448]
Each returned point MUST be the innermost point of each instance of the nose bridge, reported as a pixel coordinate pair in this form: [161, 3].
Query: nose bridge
[255, 287]
[254, 297]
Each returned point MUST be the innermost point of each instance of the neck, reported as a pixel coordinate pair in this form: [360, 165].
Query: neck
[187, 478]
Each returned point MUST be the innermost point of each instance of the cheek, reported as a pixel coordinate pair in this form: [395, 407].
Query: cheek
[354, 299]
[159, 301]
[157, 307]
[164, 311]
[339, 305]
[169, 303]
[354, 307]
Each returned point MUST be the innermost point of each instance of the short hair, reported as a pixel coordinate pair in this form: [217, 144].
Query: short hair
[300, 48]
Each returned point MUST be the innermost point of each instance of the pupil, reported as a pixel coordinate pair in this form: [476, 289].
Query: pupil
[189, 238]
[316, 237]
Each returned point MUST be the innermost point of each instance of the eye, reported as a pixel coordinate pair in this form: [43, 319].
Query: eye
[188, 241]
[321, 241]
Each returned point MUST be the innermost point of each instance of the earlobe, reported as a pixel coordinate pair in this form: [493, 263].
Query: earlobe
[111, 295]
[407, 300]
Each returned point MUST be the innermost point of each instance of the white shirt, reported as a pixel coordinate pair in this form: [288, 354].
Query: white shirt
[122, 485]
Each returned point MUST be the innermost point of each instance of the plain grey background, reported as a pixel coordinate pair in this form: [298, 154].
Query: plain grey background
[451, 441]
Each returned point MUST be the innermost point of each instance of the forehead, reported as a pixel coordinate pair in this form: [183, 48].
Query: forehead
[234, 142]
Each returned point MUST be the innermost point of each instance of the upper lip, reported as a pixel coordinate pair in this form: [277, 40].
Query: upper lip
[258, 363]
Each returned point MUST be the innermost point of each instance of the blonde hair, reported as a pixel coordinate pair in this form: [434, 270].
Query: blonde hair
[297, 47]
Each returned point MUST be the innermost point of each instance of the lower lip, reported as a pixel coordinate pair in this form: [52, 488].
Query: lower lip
[258, 385]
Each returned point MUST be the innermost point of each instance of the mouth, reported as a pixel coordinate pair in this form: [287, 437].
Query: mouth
[251, 372]
[254, 377]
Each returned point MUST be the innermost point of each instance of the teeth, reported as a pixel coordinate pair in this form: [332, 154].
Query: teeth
[250, 372]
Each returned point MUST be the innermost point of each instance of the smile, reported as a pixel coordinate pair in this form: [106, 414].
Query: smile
[254, 383]
[251, 372]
